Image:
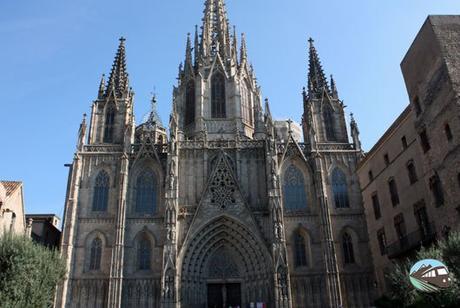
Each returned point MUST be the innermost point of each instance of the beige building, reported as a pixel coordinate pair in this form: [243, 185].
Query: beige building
[410, 179]
[11, 207]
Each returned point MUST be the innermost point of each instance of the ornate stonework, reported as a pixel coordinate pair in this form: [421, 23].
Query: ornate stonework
[213, 226]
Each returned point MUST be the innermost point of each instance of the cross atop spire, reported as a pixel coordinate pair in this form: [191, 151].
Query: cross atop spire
[118, 79]
[317, 82]
[215, 31]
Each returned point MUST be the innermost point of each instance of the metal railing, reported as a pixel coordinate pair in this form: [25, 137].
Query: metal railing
[412, 240]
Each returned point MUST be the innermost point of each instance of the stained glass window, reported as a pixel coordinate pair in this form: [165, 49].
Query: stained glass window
[295, 197]
[146, 196]
[300, 250]
[144, 252]
[218, 96]
[109, 123]
[95, 254]
[101, 192]
[328, 118]
[347, 245]
[339, 188]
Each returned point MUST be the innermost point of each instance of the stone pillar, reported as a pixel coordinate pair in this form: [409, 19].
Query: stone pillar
[68, 239]
[28, 231]
[116, 264]
[332, 271]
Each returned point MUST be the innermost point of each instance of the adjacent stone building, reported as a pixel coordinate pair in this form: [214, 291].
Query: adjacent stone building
[45, 229]
[410, 180]
[12, 208]
[221, 211]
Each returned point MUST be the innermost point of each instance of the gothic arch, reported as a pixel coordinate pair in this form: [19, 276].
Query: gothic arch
[329, 121]
[148, 165]
[218, 95]
[305, 171]
[355, 238]
[110, 114]
[305, 234]
[95, 234]
[339, 181]
[101, 178]
[249, 261]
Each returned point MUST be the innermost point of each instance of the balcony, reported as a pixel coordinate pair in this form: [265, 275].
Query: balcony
[411, 241]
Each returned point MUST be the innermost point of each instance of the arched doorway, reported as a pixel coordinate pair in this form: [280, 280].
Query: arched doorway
[224, 265]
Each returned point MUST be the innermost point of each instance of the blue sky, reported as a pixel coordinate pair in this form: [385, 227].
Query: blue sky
[53, 54]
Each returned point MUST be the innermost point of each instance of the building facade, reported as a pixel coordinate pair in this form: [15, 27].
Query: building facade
[12, 208]
[218, 212]
[410, 179]
[45, 229]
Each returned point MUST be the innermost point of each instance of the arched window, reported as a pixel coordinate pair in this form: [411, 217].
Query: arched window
[95, 255]
[328, 118]
[101, 192]
[190, 103]
[218, 96]
[109, 124]
[339, 188]
[300, 250]
[347, 246]
[144, 253]
[146, 196]
[294, 195]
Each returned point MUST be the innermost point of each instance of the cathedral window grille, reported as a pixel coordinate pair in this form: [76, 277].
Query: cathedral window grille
[109, 124]
[190, 103]
[146, 195]
[101, 192]
[218, 96]
[328, 118]
[339, 188]
[95, 255]
[347, 246]
[246, 109]
[300, 250]
[295, 197]
[144, 253]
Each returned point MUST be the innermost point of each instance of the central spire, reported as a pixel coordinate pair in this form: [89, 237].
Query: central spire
[215, 36]
[118, 80]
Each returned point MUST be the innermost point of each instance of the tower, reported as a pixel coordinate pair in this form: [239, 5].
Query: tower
[219, 211]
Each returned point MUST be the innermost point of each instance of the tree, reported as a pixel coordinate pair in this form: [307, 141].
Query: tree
[403, 294]
[29, 272]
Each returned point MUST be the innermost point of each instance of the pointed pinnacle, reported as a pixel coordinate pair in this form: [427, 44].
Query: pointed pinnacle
[197, 45]
[118, 79]
[101, 87]
[316, 77]
[334, 92]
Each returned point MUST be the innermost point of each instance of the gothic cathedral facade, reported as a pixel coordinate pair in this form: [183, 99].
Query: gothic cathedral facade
[219, 210]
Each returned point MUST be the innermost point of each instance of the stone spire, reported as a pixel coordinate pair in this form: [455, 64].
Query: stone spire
[234, 46]
[196, 48]
[215, 36]
[101, 87]
[317, 82]
[355, 133]
[334, 92]
[243, 51]
[188, 56]
[118, 80]
[153, 118]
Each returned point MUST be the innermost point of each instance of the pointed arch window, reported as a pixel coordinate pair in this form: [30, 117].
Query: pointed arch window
[329, 124]
[218, 96]
[146, 195]
[300, 250]
[101, 192]
[109, 124]
[294, 195]
[190, 102]
[144, 253]
[347, 247]
[95, 255]
[339, 189]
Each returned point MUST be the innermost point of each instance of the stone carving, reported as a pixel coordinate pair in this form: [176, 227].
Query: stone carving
[222, 186]
[222, 265]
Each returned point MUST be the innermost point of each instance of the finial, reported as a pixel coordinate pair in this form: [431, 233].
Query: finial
[311, 41]
[122, 39]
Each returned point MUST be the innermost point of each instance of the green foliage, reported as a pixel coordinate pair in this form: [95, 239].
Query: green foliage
[29, 273]
[403, 294]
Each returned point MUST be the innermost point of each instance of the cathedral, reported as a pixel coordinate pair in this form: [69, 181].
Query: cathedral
[225, 207]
